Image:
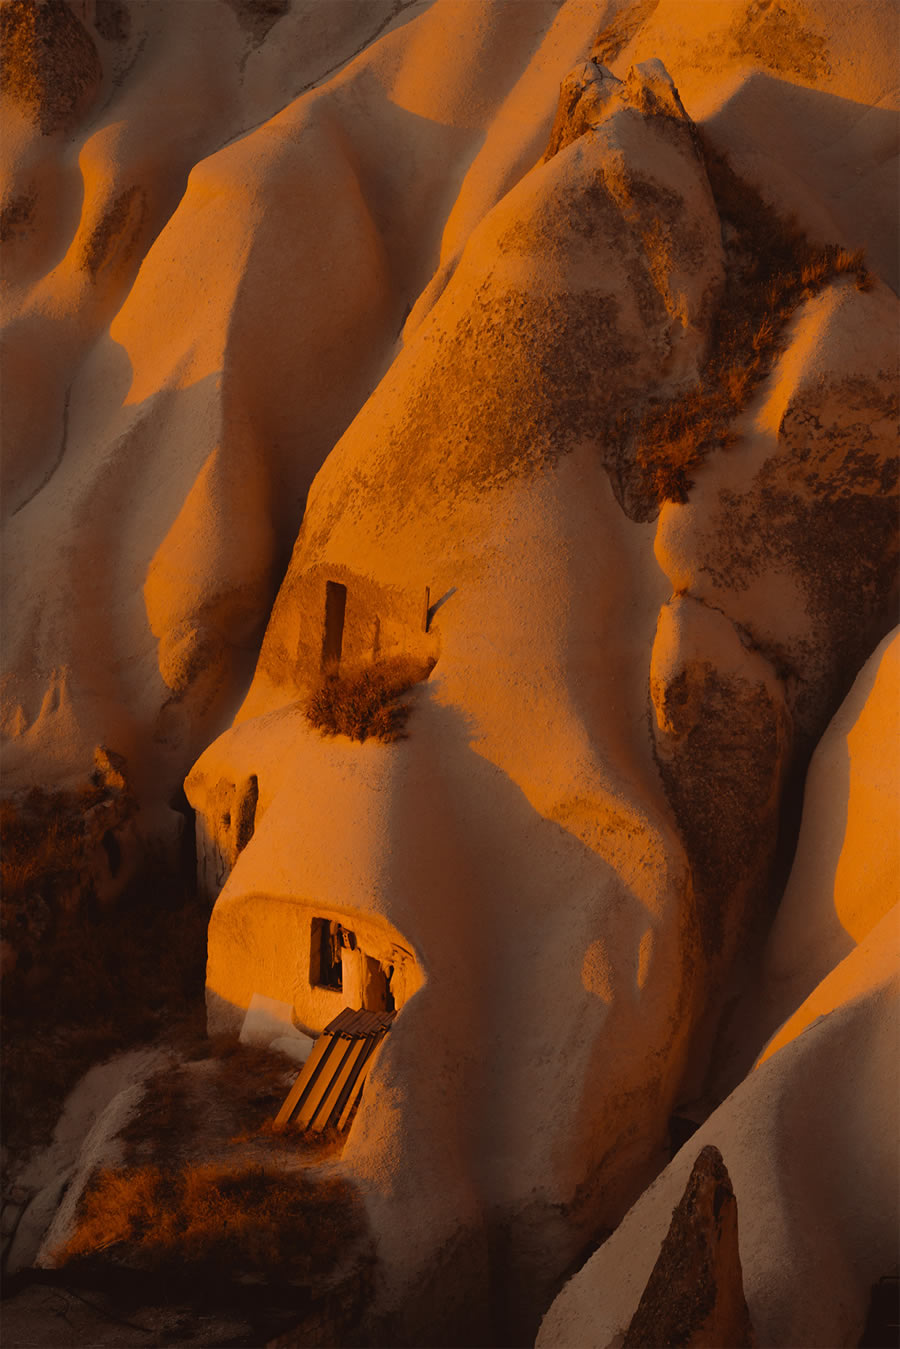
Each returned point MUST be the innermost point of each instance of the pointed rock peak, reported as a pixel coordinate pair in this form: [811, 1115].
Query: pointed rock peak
[110, 769]
[584, 98]
[590, 93]
[694, 1297]
[594, 72]
[651, 90]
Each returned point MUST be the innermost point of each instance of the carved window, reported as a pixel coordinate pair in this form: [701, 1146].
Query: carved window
[327, 939]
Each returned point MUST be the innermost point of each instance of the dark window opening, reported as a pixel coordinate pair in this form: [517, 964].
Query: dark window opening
[328, 939]
[333, 636]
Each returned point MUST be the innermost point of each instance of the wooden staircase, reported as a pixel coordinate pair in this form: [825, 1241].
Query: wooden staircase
[331, 1081]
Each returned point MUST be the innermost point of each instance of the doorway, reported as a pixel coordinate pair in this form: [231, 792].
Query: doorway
[333, 635]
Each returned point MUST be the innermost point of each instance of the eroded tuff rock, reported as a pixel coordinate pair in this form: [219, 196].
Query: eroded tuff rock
[224, 830]
[845, 878]
[694, 1298]
[809, 1136]
[249, 388]
[475, 471]
[50, 66]
[587, 91]
[723, 735]
[793, 533]
[583, 96]
[626, 217]
[199, 357]
[489, 488]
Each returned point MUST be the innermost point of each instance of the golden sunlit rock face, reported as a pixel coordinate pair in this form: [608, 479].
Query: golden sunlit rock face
[450, 495]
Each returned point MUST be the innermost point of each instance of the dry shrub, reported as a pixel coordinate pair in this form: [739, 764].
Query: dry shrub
[88, 980]
[362, 703]
[771, 269]
[211, 1222]
[43, 840]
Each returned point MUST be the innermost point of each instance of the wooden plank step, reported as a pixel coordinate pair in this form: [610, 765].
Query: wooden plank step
[349, 1087]
[346, 1072]
[319, 1089]
[355, 1092]
[330, 1082]
[307, 1077]
[351, 1021]
[343, 1018]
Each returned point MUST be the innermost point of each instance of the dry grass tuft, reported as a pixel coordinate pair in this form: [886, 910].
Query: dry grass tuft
[771, 269]
[362, 704]
[209, 1222]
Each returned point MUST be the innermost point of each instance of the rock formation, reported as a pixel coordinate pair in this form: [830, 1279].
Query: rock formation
[695, 1295]
[547, 351]
[809, 1136]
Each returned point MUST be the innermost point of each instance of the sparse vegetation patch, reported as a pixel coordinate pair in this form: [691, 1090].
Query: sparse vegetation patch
[17, 216]
[46, 840]
[116, 232]
[208, 1222]
[83, 980]
[363, 703]
[625, 25]
[50, 64]
[219, 1103]
[771, 269]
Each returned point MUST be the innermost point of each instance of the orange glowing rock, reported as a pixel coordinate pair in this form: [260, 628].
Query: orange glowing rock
[350, 342]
